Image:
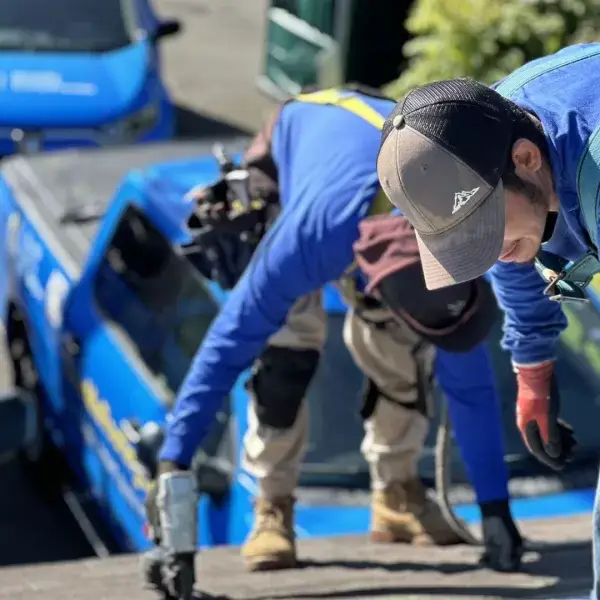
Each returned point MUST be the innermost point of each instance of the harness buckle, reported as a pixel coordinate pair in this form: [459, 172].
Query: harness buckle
[567, 280]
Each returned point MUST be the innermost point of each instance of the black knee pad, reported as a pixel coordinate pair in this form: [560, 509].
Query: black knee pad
[279, 382]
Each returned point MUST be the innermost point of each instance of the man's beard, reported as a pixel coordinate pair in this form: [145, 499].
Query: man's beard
[541, 206]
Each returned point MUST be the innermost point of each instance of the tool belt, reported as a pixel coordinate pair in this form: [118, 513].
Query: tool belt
[231, 217]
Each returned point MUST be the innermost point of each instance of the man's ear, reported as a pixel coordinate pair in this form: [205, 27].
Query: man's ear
[526, 156]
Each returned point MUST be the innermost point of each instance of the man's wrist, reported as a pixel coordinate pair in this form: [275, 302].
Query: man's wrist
[495, 508]
[534, 352]
[518, 367]
[174, 451]
[169, 466]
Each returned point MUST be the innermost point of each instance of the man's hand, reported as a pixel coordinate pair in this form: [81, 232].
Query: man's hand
[548, 438]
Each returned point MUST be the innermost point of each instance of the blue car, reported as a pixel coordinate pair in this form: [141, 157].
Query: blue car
[81, 73]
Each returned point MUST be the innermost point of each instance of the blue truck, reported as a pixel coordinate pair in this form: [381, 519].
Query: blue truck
[103, 309]
[82, 73]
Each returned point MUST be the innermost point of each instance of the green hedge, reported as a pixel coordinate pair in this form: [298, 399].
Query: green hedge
[487, 39]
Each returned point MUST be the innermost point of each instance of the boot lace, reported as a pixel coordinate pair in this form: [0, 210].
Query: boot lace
[270, 516]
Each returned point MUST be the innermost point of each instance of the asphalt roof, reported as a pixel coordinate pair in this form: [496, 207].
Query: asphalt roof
[336, 568]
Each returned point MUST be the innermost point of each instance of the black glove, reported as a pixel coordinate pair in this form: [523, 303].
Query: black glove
[502, 541]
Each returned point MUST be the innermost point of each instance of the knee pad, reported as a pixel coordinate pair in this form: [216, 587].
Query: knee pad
[279, 382]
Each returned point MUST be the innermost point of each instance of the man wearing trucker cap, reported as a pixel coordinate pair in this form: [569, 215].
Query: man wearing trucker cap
[509, 174]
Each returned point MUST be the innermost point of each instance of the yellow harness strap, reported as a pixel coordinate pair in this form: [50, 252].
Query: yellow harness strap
[349, 101]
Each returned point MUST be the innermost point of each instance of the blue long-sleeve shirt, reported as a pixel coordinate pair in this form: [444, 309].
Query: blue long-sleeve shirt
[326, 159]
[562, 90]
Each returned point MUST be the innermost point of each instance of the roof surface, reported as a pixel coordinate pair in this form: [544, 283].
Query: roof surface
[340, 568]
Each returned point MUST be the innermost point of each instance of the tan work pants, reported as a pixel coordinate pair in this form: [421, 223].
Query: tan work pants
[394, 435]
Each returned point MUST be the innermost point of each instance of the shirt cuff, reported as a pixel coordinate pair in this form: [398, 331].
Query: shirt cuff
[174, 451]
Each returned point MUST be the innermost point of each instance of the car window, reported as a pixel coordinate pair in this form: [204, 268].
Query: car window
[155, 297]
[65, 25]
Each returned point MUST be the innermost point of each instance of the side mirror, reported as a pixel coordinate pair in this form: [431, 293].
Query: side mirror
[166, 28]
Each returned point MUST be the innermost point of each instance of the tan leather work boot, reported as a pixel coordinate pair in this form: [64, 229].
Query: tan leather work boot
[272, 542]
[403, 513]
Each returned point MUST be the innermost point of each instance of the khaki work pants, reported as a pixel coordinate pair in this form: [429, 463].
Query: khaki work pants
[394, 435]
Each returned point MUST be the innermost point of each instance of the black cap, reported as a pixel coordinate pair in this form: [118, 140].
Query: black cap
[444, 149]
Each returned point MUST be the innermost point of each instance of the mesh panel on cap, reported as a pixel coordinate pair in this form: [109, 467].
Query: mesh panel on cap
[464, 89]
[467, 118]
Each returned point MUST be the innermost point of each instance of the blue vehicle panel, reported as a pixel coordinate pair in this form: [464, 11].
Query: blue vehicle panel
[82, 73]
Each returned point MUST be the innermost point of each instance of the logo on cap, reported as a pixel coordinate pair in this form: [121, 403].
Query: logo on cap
[461, 198]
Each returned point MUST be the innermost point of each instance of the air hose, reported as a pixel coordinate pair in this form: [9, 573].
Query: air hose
[443, 472]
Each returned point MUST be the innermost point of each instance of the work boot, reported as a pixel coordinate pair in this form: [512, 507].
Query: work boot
[403, 513]
[272, 542]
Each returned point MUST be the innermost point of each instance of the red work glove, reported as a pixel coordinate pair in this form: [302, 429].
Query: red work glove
[548, 438]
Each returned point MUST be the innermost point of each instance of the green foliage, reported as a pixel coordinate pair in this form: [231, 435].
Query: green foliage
[487, 39]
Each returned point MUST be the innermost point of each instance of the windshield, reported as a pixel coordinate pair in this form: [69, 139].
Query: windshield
[64, 25]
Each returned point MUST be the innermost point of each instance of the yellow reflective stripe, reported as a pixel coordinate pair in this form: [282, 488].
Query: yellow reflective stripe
[355, 105]
[330, 96]
[349, 102]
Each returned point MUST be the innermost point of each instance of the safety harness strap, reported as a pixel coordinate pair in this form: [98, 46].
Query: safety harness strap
[349, 100]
